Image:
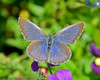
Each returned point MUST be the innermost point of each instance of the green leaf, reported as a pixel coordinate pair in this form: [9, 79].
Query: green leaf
[13, 55]
[35, 9]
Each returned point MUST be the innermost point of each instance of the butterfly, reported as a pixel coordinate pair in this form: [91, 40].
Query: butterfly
[50, 49]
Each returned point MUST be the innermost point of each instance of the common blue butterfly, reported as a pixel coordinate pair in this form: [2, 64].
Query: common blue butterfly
[49, 49]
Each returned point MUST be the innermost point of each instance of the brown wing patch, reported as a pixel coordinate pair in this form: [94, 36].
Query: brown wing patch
[21, 21]
[81, 25]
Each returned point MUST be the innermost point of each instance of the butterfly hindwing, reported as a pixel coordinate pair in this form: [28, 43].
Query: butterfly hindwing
[30, 30]
[60, 53]
[37, 50]
[70, 34]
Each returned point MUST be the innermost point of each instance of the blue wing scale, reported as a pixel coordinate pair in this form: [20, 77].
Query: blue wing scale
[37, 50]
[60, 53]
[30, 31]
[70, 34]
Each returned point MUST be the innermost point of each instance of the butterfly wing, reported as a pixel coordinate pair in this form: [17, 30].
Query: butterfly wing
[70, 34]
[60, 53]
[30, 30]
[37, 50]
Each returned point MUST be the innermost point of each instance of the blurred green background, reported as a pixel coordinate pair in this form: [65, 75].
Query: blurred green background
[51, 16]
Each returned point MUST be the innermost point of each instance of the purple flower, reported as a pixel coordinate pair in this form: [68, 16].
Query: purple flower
[61, 75]
[95, 51]
[96, 69]
[96, 64]
[34, 66]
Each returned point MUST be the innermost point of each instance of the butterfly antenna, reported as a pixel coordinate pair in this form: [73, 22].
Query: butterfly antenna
[36, 21]
[56, 31]
[39, 23]
[59, 29]
[46, 30]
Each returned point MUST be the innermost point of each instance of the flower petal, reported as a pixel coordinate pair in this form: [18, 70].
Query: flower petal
[34, 66]
[96, 69]
[52, 77]
[64, 75]
[92, 48]
[97, 52]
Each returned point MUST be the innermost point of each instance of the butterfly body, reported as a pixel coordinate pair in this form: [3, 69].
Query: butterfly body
[49, 43]
[50, 40]
[50, 49]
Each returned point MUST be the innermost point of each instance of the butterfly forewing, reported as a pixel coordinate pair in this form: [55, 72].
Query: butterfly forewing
[70, 34]
[30, 30]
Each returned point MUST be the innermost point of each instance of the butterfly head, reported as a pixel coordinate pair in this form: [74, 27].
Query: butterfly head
[50, 34]
[50, 39]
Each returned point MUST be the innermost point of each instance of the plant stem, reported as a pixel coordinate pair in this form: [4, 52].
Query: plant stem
[49, 69]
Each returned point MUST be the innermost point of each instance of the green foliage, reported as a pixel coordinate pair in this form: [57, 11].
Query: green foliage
[53, 15]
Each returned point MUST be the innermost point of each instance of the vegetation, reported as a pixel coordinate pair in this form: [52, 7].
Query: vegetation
[51, 16]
